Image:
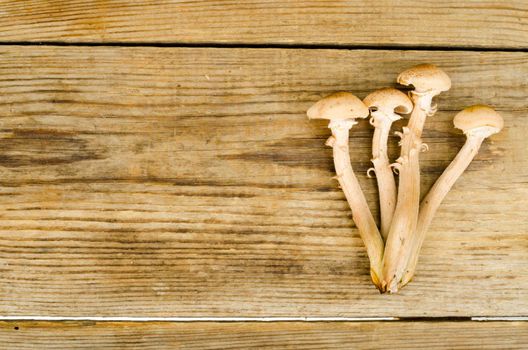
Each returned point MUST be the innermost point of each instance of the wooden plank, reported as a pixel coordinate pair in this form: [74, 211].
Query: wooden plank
[189, 182]
[487, 23]
[258, 335]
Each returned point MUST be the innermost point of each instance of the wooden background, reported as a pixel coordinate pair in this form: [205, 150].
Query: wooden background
[156, 161]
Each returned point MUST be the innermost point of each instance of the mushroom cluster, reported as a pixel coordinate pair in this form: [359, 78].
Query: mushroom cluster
[393, 249]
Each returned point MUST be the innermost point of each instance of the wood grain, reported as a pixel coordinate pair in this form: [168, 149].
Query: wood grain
[258, 335]
[487, 23]
[189, 182]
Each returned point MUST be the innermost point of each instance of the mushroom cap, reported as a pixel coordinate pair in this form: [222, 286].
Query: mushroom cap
[425, 78]
[389, 101]
[338, 106]
[479, 119]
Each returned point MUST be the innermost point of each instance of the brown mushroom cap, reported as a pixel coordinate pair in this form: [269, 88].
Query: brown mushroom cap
[425, 78]
[338, 106]
[479, 117]
[389, 101]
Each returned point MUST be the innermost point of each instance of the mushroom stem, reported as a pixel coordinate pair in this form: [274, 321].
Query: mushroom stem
[385, 106]
[406, 213]
[358, 204]
[434, 198]
[477, 122]
[384, 175]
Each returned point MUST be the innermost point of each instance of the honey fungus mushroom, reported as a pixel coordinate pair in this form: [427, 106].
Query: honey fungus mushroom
[478, 123]
[384, 105]
[342, 109]
[428, 81]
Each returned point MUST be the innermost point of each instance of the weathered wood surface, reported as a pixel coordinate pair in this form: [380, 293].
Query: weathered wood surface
[258, 335]
[188, 182]
[487, 23]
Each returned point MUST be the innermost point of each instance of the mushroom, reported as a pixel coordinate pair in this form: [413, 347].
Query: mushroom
[477, 122]
[341, 109]
[383, 105]
[428, 81]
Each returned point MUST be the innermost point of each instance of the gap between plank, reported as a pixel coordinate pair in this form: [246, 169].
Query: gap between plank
[264, 46]
[195, 319]
[260, 319]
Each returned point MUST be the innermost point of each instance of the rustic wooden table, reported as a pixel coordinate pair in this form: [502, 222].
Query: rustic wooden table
[156, 164]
